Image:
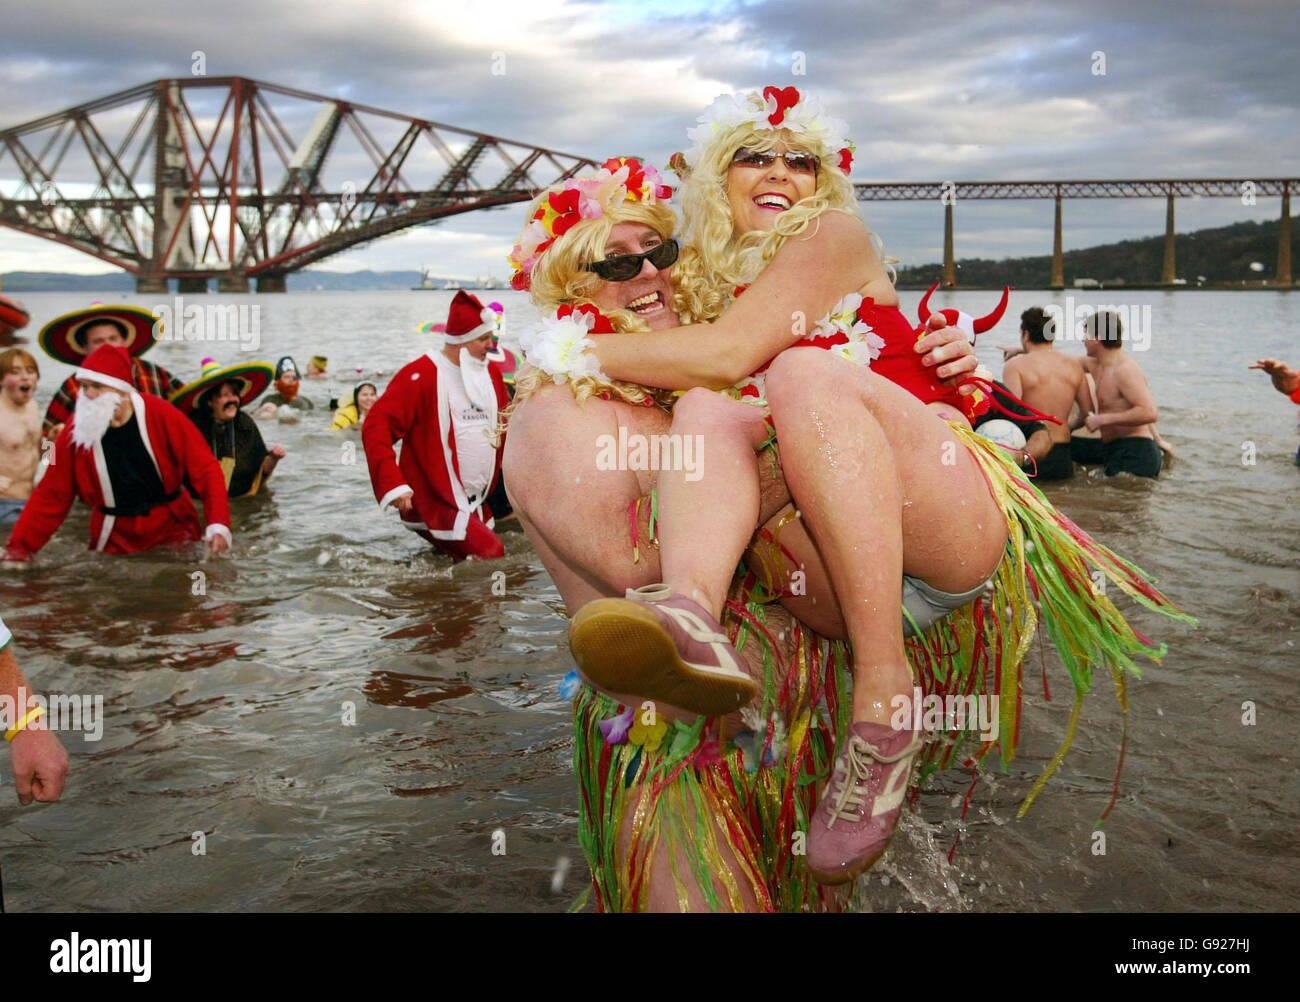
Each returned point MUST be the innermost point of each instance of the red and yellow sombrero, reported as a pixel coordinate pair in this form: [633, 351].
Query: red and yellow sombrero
[64, 337]
[251, 377]
[13, 315]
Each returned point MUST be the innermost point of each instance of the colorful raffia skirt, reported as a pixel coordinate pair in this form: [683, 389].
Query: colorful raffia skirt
[725, 816]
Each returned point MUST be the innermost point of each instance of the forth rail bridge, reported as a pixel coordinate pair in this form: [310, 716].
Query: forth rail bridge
[202, 178]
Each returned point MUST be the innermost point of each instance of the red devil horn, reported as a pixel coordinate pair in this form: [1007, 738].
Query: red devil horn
[984, 323]
[923, 311]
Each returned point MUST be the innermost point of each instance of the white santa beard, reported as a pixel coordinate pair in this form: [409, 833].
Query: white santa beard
[478, 382]
[92, 417]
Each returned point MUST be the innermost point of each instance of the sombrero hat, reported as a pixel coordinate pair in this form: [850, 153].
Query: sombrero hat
[13, 315]
[252, 378]
[64, 337]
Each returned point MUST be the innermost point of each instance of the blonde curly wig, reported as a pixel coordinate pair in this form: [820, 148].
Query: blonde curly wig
[722, 261]
[559, 277]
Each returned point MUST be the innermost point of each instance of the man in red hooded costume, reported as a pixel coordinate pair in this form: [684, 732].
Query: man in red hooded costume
[443, 407]
[126, 455]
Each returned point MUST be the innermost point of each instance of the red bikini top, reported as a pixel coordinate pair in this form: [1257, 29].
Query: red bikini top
[891, 346]
[899, 362]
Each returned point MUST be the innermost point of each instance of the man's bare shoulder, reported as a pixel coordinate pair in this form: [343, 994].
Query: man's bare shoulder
[1130, 370]
[1069, 366]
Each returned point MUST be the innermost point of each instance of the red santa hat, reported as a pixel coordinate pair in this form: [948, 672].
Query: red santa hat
[468, 320]
[109, 365]
[962, 320]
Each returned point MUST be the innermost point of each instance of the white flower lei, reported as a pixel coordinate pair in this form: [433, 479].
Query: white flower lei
[561, 348]
[864, 344]
[730, 111]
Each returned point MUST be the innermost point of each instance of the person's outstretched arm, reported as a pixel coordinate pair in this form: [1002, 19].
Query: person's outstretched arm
[808, 275]
[1285, 380]
[36, 755]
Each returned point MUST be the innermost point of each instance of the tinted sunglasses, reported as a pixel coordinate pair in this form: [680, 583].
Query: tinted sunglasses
[795, 162]
[624, 267]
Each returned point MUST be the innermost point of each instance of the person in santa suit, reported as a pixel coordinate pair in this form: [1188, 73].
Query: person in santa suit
[126, 455]
[443, 407]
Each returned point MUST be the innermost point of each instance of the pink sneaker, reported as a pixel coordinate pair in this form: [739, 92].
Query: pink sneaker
[662, 646]
[859, 808]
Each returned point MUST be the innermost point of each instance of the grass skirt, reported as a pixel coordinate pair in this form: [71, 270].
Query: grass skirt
[730, 814]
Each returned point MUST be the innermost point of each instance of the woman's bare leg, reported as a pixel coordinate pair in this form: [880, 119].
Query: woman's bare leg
[885, 488]
[707, 514]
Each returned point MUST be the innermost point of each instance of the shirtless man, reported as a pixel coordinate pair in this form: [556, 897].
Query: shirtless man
[1047, 381]
[1125, 410]
[20, 432]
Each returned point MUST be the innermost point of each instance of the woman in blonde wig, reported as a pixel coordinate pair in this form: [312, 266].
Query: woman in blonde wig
[768, 170]
[578, 518]
[838, 413]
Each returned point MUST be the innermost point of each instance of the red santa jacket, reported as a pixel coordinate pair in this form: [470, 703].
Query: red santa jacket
[178, 451]
[413, 411]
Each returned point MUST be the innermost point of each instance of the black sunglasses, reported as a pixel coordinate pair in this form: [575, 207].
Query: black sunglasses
[795, 162]
[624, 267]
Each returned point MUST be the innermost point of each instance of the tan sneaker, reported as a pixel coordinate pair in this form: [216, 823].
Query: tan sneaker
[858, 811]
[663, 646]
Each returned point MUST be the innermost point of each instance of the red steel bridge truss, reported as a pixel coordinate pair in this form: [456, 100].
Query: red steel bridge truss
[233, 179]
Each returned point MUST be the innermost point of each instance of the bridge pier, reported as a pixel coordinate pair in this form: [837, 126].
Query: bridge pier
[191, 285]
[232, 283]
[151, 285]
[1168, 271]
[1058, 260]
[1284, 239]
[272, 283]
[949, 266]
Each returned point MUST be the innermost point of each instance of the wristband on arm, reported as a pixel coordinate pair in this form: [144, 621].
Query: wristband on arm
[32, 714]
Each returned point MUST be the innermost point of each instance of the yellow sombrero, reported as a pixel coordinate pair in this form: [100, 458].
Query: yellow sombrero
[64, 337]
[252, 377]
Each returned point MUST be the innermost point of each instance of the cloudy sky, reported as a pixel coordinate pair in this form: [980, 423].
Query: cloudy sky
[933, 91]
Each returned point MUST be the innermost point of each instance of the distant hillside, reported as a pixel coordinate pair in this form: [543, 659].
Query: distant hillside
[303, 281]
[53, 281]
[1220, 255]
